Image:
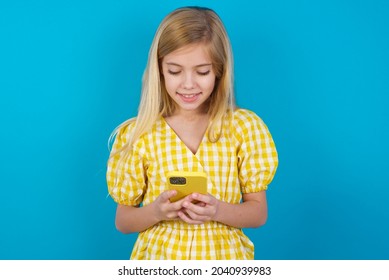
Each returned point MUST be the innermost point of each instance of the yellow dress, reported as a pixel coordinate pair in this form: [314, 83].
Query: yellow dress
[241, 161]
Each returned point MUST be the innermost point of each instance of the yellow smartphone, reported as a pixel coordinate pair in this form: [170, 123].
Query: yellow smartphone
[186, 183]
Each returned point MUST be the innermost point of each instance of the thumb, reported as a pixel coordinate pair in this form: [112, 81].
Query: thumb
[166, 195]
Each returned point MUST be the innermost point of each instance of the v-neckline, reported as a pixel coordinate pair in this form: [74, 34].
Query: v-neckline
[173, 132]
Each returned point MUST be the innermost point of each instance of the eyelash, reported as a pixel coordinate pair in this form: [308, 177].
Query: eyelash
[204, 73]
[178, 72]
[173, 73]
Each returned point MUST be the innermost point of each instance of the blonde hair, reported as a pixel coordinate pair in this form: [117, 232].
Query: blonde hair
[182, 27]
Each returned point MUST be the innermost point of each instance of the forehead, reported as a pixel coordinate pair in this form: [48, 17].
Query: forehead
[194, 54]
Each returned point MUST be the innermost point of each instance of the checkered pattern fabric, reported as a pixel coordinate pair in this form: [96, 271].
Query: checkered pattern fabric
[243, 160]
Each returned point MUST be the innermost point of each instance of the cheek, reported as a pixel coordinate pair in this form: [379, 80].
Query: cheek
[170, 85]
[167, 79]
[209, 83]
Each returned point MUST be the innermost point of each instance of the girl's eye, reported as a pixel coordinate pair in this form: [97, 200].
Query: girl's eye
[204, 73]
[173, 72]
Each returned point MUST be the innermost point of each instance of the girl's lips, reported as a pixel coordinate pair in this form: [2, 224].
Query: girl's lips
[189, 97]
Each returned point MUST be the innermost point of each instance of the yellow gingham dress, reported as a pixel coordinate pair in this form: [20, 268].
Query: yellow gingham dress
[243, 161]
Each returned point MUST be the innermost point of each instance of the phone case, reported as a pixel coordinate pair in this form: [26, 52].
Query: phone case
[186, 183]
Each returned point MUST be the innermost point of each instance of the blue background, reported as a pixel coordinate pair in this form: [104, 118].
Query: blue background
[315, 71]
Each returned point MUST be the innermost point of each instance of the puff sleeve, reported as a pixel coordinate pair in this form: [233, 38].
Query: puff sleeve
[257, 155]
[126, 175]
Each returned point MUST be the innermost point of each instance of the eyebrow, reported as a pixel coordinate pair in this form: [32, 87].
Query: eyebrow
[200, 65]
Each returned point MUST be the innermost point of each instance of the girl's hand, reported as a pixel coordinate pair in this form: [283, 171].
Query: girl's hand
[199, 208]
[164, 209]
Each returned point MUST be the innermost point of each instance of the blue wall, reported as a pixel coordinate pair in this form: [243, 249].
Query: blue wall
[316, 72]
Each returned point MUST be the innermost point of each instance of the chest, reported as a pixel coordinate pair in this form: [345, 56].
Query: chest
[190, 133]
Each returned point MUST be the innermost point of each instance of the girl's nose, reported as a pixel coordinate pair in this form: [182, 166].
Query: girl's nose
[188, 82]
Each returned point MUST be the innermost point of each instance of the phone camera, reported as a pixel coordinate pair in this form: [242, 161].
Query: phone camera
[177, 180]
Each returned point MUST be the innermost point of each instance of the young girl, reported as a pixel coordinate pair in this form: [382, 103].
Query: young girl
[188, 121]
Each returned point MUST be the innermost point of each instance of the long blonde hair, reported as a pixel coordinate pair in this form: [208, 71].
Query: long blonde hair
[184, 26]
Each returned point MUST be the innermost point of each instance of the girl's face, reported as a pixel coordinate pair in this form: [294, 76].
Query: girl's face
[189, 77]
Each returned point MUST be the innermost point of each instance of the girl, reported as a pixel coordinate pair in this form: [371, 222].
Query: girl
[187, 121]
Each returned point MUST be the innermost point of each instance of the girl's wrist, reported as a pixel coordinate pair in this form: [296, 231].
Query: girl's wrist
[216, 217]
[154, 213]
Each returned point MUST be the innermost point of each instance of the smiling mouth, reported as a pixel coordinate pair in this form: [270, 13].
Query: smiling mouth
[188, 95]
[189, 98]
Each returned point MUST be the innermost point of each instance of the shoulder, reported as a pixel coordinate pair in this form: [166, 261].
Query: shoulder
[244, 119]
[245, 116]
[247, 125]
[122, 134]
[128, 132]
[124, 131]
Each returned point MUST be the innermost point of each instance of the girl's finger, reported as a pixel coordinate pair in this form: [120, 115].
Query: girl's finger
[187, 218]
[165, 196]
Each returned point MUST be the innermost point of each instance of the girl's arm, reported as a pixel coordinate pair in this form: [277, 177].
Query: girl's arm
[251, 213]
[136, 219]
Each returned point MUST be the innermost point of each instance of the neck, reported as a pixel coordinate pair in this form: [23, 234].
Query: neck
[190, 116]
